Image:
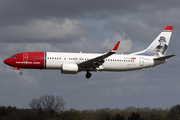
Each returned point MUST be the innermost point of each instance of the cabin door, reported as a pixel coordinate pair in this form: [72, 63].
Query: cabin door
[25, 57]
[141, 61]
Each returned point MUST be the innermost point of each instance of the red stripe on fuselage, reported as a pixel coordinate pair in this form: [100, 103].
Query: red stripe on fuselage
[30, 60]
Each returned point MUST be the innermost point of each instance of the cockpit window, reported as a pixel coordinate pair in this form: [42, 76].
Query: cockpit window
[14, 57]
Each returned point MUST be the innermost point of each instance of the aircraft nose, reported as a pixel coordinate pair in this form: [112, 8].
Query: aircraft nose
[7, 61]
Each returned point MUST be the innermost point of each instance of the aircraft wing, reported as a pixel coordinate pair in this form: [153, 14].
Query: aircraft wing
[97, 61]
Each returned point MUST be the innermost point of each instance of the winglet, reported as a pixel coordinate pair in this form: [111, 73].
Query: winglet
[115, 48]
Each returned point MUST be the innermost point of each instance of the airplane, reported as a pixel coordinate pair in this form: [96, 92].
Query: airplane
[72, 63]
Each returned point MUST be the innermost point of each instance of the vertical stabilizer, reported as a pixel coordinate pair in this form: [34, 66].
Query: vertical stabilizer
[159, 46]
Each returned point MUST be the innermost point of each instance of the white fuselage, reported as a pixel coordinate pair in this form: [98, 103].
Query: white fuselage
[116, 62]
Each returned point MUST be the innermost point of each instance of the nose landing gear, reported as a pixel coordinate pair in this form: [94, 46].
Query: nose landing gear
[88, 75]
[20, 73]
[16, 68]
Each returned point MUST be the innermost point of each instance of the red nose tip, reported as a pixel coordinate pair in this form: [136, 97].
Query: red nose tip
[7, 61]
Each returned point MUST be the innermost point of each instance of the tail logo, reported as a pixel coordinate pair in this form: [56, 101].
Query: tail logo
[160, 50]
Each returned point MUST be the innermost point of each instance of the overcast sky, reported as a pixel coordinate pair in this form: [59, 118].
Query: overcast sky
[90, 26]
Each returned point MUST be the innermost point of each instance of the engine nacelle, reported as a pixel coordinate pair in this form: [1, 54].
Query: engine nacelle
[69, 68]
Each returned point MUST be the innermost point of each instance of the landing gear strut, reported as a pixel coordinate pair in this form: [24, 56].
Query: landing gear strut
[88, 74]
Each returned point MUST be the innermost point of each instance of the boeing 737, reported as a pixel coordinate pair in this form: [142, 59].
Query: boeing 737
[72, 63]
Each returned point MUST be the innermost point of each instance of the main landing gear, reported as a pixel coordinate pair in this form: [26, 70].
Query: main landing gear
[88, 75]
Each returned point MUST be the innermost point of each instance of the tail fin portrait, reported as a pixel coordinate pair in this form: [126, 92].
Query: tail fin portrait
[159, 46]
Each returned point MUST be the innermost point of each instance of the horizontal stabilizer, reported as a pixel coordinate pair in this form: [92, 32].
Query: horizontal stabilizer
[165, 57]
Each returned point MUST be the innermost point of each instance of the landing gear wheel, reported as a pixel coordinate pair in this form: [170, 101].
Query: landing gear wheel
[88, 75]
[20, 73]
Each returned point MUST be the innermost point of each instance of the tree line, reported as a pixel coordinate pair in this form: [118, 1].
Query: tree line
[49, 107]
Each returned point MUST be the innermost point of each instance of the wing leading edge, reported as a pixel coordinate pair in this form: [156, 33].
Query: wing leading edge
[94, 63]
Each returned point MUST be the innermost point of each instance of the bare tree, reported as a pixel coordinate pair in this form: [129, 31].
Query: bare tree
[48, 103]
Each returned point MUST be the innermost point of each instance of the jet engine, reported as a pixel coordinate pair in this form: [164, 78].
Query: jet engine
[69, 68]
